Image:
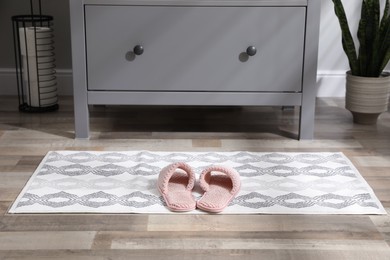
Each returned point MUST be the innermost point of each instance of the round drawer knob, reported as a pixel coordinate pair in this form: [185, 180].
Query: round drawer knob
[138, 50]
[251, 51]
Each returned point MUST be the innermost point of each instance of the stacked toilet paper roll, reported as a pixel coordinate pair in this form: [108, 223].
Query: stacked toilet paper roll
[37, 51]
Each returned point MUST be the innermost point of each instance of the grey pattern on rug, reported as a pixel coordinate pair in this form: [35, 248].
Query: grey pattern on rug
[125, 182]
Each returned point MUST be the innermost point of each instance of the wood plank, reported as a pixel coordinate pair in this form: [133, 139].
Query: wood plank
[248, 244]
[373, 161]
[251, 223]
[206, 143]
[73, 222]
[4, 205]
[216, 254]
[41, 240]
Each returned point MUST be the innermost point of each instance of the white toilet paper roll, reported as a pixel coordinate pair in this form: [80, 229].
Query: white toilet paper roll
[38, 65]
[27, 38]
[45, 102]
[30, 78]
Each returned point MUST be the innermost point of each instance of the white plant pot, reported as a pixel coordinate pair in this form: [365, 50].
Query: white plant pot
[367, 97]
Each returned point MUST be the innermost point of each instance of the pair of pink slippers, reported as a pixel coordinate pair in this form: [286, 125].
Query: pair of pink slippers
[220, 184]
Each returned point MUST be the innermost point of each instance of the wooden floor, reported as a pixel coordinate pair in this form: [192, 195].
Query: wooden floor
[26, 138]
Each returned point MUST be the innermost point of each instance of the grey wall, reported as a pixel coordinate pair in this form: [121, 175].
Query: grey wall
[59, 9]
[332, 62]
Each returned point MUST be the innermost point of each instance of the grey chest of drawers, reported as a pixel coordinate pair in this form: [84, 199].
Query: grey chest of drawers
[195, 52]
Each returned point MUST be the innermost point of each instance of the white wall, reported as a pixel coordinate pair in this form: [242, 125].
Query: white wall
[332, 62]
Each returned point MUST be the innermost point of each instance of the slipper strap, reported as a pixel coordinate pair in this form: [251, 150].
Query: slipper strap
[205, 177]
[167, 172]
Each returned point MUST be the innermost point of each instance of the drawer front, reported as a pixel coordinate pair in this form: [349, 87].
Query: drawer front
[195, 48]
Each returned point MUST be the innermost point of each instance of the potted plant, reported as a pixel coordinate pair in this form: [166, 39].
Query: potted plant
[368, 85]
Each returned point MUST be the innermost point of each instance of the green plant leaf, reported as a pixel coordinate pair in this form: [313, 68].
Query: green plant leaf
[347, 40]
[384, 38]
[385, 50]
[362, 37]
[384, 22]
[373, 35]
[370, 61]
[374, 64]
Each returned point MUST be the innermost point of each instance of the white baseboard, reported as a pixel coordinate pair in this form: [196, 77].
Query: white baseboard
[8, 85]
[329, 83]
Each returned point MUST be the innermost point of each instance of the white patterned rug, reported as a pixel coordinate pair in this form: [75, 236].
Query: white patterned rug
[125, 182]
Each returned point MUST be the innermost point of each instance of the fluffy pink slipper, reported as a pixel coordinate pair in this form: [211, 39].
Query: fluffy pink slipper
[175, 183]
[220, 184]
